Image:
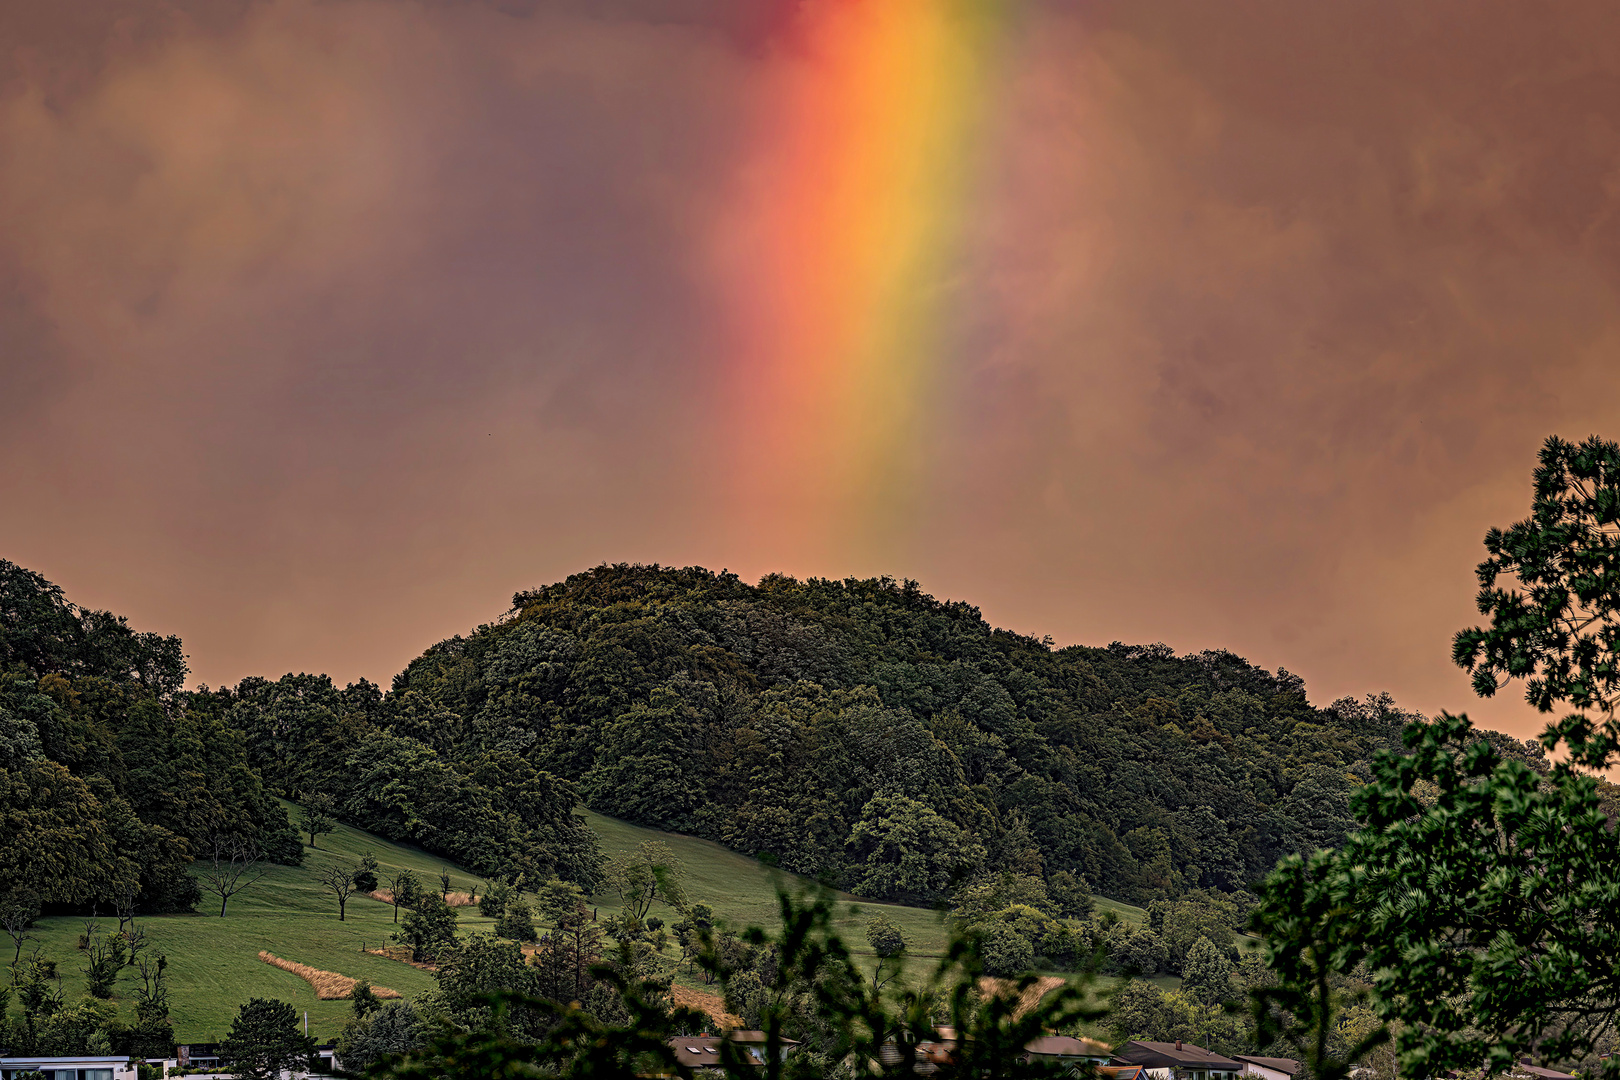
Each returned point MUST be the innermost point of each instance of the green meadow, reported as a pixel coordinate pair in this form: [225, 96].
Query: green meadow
[214, 963]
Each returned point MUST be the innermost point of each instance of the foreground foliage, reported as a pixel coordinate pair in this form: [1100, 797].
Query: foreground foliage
[838, 1023]
[1476, 912]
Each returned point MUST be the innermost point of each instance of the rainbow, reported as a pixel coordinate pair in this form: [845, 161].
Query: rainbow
[837, 256]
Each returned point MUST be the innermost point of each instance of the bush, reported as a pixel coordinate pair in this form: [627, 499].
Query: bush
[106, 957]
[394, 1029]
[1206, 975]
[365, 875]
[516, 922]
[428, 927]
[1071, 898]
[1006, 951]
[492, 905]
[1140, 952]
[171, 894]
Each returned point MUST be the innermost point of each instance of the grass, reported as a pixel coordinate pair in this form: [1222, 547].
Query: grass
[214, 965]
[743, 891]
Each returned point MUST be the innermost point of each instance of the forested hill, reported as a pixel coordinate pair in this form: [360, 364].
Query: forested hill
[858, 730]
[112, 777]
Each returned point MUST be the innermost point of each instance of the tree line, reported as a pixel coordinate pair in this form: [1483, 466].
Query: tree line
[858, 732]
[113, 777]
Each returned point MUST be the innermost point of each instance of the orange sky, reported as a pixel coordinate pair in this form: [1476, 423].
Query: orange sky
[325, 326]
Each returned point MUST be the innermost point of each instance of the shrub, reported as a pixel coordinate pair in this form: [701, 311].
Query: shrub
[365, 875]
[516, 922]
[492, 905]
[1006, 951]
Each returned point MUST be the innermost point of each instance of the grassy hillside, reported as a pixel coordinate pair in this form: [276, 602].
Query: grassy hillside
[213, 962]
[743, 891]
[214, 965]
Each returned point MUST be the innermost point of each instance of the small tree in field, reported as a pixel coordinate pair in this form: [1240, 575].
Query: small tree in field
[889, 943]
[318, 816]
[264, 1041]
[17, 913]
[232, 867]
[365, 875]
[428, 927]
[652, 873]
[886, 938]
[405, 889]
[340, 879]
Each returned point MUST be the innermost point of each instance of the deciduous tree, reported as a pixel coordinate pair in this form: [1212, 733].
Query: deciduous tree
[1478, 891]
[340, 880]
[232, 867]
[428, 927]
[318, 815]
[651, 872]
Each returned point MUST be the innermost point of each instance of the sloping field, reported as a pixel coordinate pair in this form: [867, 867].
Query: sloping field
[214, 964]
[744, 891]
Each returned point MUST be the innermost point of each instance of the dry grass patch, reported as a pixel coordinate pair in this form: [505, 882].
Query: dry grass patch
[329, 985]
[1026, 1000]
[455, 899]
[703, 1001]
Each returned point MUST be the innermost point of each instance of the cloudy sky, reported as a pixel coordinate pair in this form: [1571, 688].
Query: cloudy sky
[325, 325]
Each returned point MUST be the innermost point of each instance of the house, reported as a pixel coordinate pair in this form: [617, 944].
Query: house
[1064, 1048]
[69, 1068]
[1120, 1072]
[928, 1056]
[703, 1051]
[1176, 1061]
[1268, 1068]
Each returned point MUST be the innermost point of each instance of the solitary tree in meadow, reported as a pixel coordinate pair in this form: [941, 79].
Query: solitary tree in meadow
[318, 816]
[233, 866]
[339, 879]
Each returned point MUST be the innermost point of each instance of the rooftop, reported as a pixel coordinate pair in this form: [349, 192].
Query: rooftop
[1174, 1054]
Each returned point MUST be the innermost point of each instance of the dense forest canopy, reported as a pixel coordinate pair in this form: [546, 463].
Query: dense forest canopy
[112, 776]
[860, 731]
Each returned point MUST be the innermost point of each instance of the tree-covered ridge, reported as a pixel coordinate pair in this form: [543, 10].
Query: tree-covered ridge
[869, 733]
[112, 777]
[485, 806]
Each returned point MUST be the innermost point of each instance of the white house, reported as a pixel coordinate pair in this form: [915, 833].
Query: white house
[1268, 1068]
[68, 1068]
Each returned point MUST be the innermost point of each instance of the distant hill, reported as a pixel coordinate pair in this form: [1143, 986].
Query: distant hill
[862, 732]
